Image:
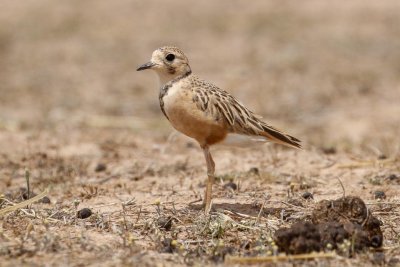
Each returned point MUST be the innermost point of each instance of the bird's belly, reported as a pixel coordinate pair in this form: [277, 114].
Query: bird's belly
[187, 118]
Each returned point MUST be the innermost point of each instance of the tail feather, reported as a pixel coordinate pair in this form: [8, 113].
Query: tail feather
[280, 138]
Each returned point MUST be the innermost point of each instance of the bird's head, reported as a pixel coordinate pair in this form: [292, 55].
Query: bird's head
[168, 62]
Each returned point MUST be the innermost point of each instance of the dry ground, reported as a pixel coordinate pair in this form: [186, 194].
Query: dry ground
[76, 116]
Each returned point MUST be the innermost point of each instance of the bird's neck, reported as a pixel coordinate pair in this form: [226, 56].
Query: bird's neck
[168, 79]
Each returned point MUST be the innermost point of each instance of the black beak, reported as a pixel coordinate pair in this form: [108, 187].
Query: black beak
[146, 66]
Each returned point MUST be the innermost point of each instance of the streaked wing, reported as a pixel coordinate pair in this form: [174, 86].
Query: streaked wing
[221, 105]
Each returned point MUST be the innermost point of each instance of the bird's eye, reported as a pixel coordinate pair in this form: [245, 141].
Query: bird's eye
[170, 57]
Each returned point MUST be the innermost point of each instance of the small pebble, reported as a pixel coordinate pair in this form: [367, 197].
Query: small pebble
[25, 194]
[231, 185]
[382, 156]
[393, 177]
[379, 194]
[246, 244]
[376, 241]
[329, 150]
[84, 213]
[307, 195]
[100, 167]
[165, 223]
[45, 200]
[254, 170]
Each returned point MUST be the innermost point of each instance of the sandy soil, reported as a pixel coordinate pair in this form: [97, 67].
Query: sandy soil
[78, 119]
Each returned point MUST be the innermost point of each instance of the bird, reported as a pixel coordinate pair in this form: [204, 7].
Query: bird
[203, 111]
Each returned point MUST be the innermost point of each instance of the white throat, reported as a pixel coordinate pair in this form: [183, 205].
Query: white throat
[163, 78]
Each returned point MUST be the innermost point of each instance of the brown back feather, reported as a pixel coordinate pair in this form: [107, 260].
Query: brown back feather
[220, 104]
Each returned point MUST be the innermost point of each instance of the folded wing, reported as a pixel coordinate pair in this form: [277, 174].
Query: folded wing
[223, 107]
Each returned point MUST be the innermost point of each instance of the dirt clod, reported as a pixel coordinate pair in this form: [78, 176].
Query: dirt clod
[24, 194]
[341, 210]
[100, 167]
[165, 223]
[231, 185]
[84, 213]
[382, 156]
[393, 178]
[45, 200]
[307, 195]
[254, 170]
[353, 214]
[302, 237]
[330, 150]
[333, 222]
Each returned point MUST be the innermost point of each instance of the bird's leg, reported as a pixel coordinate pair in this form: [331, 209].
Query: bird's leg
[210, 180]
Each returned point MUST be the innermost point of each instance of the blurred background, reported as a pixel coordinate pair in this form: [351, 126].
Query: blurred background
[327, 72]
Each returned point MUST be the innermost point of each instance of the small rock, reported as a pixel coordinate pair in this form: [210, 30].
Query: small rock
[137, 177]
[393, 177]
[25, 194]
[329, 150]
[254, 170]
[84, 213]
[100, 167]
[379, 194]
[231, 185]
[382, 156]
[355, 220]
[376, 241]
[246, 244]
[45, 200]
[307, 195]
[165, 223]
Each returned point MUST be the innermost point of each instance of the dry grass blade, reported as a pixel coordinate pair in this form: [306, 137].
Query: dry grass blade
[24, 203]
[367, 163]
[258, 260]
[341, 184]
